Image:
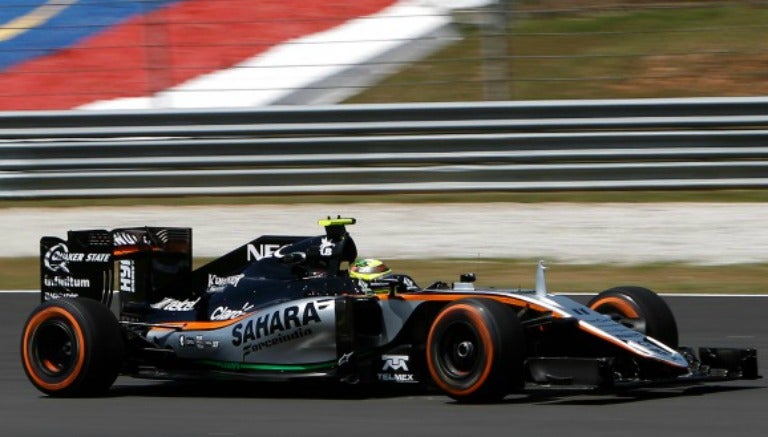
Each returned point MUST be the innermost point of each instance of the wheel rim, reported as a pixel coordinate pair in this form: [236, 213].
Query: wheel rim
[614, 305]
[54, 348]
[621, 311]
[460, 349]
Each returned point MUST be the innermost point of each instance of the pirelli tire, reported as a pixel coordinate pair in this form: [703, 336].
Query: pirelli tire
[630, 302]
[72, 348]
[476, 350]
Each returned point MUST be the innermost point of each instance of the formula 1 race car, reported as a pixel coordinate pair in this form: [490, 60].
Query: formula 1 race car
[285, 308]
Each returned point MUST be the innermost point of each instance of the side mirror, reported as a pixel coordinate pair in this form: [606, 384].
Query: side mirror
[392, 283]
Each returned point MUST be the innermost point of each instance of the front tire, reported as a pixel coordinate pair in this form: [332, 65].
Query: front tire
[475, 351]
[640, 304]
[72, 347]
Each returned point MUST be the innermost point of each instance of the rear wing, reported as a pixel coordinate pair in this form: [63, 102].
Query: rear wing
[83, 265]
[146, 265]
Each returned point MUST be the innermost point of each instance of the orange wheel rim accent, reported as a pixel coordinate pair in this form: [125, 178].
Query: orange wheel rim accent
[32, 326]
[50, 366]
[622, 306]
[485, 337]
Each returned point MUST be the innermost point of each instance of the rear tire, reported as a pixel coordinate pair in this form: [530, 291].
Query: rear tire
[72, 347]
[475, 351]
[639, 303]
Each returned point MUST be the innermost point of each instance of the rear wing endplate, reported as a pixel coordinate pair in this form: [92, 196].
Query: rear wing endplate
[83, 265]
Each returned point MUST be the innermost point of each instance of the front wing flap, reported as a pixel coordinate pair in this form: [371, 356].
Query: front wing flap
[709, 365]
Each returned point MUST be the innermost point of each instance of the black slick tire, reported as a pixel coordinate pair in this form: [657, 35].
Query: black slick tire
[475, 351]
[637, 302]
[72, 347]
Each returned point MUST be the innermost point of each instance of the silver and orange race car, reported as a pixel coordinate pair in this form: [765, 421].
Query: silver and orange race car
[286, 308]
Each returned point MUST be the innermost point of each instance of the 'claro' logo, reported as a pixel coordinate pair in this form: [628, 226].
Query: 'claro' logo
[280, 321]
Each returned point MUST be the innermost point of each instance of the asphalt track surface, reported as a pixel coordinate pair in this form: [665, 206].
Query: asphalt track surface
[171, 409]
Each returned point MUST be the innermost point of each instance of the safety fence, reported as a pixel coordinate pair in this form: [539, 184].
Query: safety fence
[536, 145]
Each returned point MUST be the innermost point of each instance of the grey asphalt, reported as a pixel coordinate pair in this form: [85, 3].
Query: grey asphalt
[193, 409]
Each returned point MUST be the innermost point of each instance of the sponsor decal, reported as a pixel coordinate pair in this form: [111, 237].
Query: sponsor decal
[397, 377]
[218, 283]
[226, 313]
[169, 304]
[326, 247]
[198, 342]
[162, 235]
[408, 282]
[395, 362]
[52, 295]
[58, 256]
[123, 238]
[262, 251]
[345, 359]
[66, 282]
[396, 368]
[364, 286]
[127, 276]
[276, 327]
[279, 339]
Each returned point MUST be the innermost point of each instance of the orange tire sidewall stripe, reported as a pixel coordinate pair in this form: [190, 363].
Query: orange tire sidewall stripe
[626, 309]
[485, 337]
[34, 323]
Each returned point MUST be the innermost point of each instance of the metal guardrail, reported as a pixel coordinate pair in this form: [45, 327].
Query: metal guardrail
[621, 144]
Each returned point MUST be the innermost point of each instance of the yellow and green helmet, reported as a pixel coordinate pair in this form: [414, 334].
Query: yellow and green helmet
[368, 269]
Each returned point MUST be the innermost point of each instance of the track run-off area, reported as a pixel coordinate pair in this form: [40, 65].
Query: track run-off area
[571, 233]
[136, 407]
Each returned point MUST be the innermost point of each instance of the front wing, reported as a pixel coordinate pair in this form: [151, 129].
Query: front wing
[708, 365]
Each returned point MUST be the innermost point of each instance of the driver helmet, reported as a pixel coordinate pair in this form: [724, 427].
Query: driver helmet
[368, 269]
